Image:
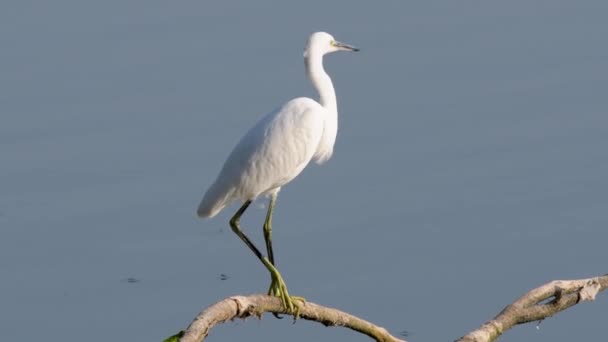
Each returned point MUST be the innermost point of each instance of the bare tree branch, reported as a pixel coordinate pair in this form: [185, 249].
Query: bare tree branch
[256, 305]
[540, 303]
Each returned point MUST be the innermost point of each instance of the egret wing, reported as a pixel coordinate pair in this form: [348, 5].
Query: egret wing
[271, 154]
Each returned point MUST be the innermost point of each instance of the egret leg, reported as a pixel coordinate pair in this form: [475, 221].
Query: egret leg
[268, 229]
[234, 224]
[277, 285]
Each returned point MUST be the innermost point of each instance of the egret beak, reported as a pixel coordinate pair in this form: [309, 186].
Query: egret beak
[345, 47]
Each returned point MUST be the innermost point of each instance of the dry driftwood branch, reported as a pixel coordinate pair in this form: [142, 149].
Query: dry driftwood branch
[256, 305]
[540, 303]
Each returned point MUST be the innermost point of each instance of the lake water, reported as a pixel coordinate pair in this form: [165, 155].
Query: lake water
[470, 164]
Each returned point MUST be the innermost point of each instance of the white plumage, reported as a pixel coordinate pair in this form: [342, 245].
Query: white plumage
[271, 154]
[282, 143]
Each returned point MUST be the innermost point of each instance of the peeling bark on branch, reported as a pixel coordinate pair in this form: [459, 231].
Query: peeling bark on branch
[540, 303]
[256, 305]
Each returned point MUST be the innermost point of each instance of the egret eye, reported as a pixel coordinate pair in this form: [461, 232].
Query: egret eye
[332, 43]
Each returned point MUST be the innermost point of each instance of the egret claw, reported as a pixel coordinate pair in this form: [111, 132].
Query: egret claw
[279, 289]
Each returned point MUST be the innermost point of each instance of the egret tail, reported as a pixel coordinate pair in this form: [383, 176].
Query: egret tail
[214, 201]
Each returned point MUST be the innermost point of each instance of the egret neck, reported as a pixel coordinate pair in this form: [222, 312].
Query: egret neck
[327, 98]
[321, 81]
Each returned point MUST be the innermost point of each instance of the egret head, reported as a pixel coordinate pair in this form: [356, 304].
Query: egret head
[321, 43]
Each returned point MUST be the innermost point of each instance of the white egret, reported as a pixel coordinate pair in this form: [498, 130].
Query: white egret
[275, 151]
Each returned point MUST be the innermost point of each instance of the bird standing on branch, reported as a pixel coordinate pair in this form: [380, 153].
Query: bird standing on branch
[275, 151]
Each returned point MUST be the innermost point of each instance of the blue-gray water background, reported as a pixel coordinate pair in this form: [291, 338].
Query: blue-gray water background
[470, 164]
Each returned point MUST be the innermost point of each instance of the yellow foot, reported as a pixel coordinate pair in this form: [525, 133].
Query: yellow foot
[278, 288]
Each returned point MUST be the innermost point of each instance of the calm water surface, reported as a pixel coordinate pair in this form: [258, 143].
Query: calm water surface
[470, 164]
